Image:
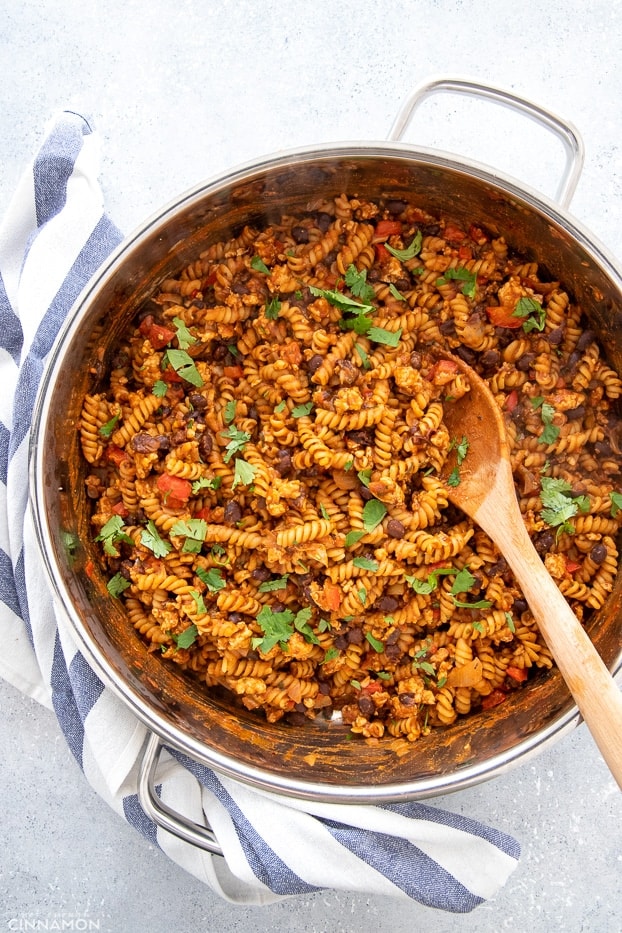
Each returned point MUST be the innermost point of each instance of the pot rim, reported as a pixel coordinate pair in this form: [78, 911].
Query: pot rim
[258, 777]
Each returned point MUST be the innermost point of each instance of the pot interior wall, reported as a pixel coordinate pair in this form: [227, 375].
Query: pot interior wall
[233, 739]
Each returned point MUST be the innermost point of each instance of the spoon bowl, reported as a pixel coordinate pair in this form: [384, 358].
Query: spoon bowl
[482, 486]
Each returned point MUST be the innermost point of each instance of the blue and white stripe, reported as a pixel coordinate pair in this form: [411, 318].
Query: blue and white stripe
[54, 236]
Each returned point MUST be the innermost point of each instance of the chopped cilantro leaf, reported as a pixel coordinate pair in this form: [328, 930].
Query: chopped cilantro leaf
[212, 578]
[412, 250]
[107, 429]
[184, 366]
[259, 265]
[150, 537]
[184, 337]
[243, 474]
[117, 584]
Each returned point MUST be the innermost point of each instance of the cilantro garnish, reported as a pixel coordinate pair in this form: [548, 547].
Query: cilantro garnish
[363, 356]
[461, 448]
[272, 309]
[107, 429]
[117, 584]
[259, 265]
[468, 279]
[480, 604]
[377, 645]
[112, 534]
[616, 503]
[330, 655]
[194, 531]
[150, 537]
[243, 474]
[184, 366]
[278, 627]
[373, 513]
[558, 505]
[212, 578]
[396, 294]
[188, 637]
[184, 337]
[358, 284]
[510, 622]
[364, 476]
[364, 563]
[229, 412]
[532, 311]
[270, 585]
[237, 441]
[204, 482]
[160, 388]
[385, 337]
[412, 250]
[301, 411]
[551, 432]
[353, 537]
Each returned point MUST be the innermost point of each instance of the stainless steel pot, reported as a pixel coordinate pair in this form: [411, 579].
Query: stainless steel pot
[315, 761]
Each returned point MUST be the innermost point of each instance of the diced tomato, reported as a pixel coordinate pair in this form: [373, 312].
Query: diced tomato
[176, 491]
[332, 596]
[170, 375]
[494, 699]
[157, 334]
[453, 232]
[443, 371]
[382, 253]
[204, 513]
[388, 227]
[517, 673]
[512, 401]
[465, 253]
[501, 316]
[89, 569]
[233, 372]
[208, 280]
[374, 686]
[115, 454]
[572, 565]
[120, 509]
[477, 234]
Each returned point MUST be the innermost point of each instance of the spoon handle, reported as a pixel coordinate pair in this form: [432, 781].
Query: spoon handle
[594, 690]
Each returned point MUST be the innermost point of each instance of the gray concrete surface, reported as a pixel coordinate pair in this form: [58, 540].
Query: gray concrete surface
[180, 91]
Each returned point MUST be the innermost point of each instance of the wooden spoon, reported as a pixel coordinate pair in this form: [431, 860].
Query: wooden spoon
[486, 493]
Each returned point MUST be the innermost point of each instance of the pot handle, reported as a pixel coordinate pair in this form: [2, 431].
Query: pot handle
[163, 815]
[569, 136]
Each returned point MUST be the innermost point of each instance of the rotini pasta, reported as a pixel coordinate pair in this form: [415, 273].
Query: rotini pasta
[263, 462]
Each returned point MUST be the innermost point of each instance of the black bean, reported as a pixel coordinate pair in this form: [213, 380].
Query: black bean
[366, 705]
[198, 401]
[300, 234]
[363, 436]
[490, 359]
[314, 363]
[586, 338]
[323, 221]
[465, 354]
[598, 553]
[261, 574]
[544, 542]
[402, 285]
[603, 448]
[144, 443]
[407, 699]
[206, 445]
[388, 604]
[233, 513]
[575, 414]
[523, 364]
[415, 359]
[178, 437]
[355, 636]
[219, 352]
[396, 206]
[283, 462]
[341, 641]
[395, 529]
[448, 327]
[366, 495]
[519, 606]
[555, 336]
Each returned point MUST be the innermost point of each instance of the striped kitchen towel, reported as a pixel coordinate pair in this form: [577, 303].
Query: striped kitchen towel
[53, 238]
